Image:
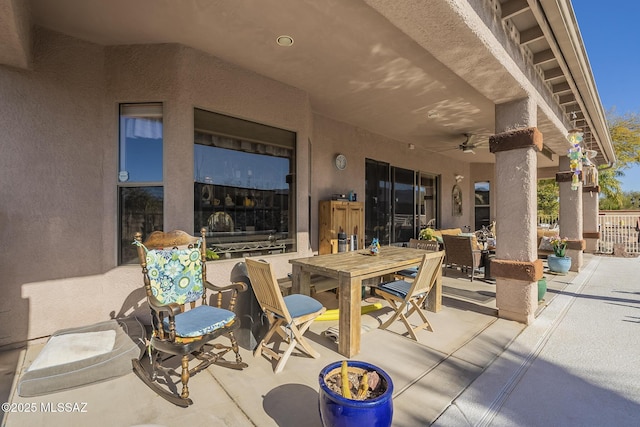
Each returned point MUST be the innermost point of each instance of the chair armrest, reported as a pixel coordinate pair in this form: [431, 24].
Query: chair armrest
[235, 286]
[171, 308]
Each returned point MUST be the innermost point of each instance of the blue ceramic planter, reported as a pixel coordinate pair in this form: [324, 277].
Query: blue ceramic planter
[336, 411]
[559, 264]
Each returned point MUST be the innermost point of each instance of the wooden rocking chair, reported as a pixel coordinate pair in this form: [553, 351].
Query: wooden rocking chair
[174, 272]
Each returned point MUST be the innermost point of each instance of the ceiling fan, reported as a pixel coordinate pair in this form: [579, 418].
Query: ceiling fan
[468, 145]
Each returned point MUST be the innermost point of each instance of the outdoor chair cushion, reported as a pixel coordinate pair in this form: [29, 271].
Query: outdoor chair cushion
[301, 305]
[408, 272]
[80, 356]
[175, 275]
[200, 321]
[399, 288]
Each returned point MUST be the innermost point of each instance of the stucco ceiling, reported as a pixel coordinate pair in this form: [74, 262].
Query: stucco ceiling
[356, 66]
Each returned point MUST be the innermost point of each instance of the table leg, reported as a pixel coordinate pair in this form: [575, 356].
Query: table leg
[434, 300]
[349, 316]
[300, 281]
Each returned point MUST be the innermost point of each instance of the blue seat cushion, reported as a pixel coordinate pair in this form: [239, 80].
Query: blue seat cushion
[301, 305]
[399, 288]
[409, 272]
[200, 320]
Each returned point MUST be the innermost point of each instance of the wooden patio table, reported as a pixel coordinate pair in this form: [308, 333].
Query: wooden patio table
[350, 269]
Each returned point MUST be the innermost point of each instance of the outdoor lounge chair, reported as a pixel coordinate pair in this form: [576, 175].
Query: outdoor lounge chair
[403, 295]
[174, 272]
[288, 316]
[462, 253]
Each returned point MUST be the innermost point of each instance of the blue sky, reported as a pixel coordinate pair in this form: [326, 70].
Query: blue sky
[612, 40]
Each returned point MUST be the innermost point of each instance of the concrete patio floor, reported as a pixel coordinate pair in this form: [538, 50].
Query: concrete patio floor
[430, 376]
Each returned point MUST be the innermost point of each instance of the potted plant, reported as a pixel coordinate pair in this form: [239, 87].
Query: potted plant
[427, 234]
[355, 394]
[211, 255]
[559, 262]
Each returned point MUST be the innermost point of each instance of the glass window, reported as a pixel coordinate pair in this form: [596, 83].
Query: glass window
[482, 205]
[377, 205]
[140, 210]
[140, 143]
[398, 203]
[140, 190]
[426, 201]
[244, 192]
[403, 205]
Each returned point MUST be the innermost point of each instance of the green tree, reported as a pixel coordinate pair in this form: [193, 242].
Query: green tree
[548, 204]
[610, 190]
[631, 200]
[625, 136]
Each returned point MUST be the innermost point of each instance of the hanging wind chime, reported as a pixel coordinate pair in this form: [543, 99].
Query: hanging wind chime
[575, 157]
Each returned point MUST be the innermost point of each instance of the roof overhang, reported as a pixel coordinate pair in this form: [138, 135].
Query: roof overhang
[423, 73]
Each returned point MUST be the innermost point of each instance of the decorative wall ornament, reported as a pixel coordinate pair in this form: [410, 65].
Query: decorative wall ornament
[456, 201]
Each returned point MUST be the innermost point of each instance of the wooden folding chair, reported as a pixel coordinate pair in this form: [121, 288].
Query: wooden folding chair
[427, 245]
[402, 294]
[289, 316]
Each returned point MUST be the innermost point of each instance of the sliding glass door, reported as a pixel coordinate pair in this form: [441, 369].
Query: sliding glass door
[377, 205]
[399, 203]
[403, 188]
[427, 201]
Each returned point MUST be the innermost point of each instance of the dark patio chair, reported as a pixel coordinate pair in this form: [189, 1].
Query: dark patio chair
[175, 281]
[460, 252]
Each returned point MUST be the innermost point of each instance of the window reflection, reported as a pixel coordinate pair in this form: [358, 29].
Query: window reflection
[244, 193]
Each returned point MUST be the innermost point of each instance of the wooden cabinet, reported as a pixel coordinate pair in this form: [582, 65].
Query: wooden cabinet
[340, 217]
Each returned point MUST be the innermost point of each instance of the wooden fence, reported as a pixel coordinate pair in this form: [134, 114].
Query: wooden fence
[550, 220]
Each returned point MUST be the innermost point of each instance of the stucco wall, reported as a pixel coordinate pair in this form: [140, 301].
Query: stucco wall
[59, 170]
[51, 173]
[331, 137]
[58, 199]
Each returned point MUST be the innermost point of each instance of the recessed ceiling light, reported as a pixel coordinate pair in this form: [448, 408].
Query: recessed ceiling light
[285, 41]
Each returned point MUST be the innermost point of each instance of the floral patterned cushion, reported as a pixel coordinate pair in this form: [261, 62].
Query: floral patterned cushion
[175, 275]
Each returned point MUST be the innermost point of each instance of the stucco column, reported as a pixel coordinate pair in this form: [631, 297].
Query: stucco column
[590, 212]
[516, 266]
[570, 214]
